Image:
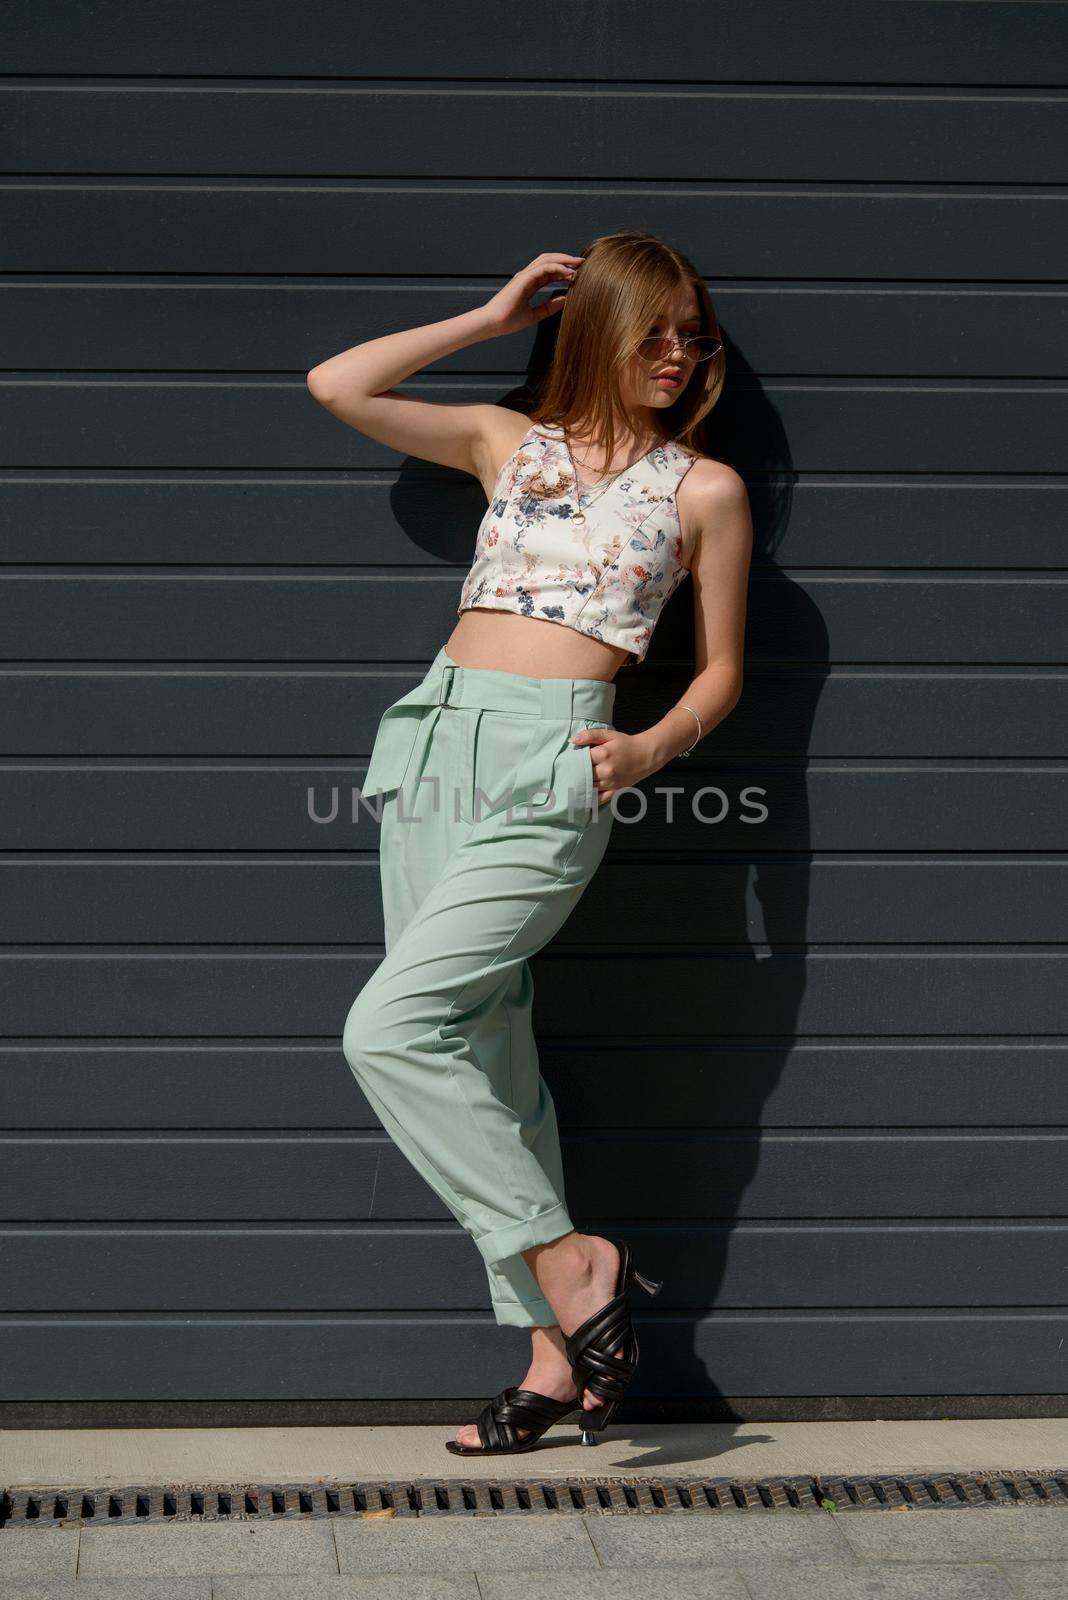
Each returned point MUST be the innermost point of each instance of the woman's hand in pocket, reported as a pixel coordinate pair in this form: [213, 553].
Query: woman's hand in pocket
[619, 760]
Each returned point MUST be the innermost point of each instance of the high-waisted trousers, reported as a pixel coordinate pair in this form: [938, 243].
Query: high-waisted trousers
[490, 830]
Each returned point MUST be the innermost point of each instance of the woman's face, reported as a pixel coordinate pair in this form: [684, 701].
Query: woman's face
[658, 383]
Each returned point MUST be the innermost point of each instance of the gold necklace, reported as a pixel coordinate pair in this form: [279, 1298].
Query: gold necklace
[578, 516]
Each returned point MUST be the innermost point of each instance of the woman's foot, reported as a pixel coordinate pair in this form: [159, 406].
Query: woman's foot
[549, 1373]
[577, 1274]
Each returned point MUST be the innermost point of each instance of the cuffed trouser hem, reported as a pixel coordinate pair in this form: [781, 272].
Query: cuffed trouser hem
[518, 1236]
[524, 1313]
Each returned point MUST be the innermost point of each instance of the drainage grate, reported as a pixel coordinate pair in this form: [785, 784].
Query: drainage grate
[39, 1508]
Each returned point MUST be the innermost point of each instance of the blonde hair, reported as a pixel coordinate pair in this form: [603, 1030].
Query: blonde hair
[622, 284]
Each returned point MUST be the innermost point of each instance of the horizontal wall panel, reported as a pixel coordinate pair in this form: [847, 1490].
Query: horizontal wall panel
[775, 133]
[897, 425]
[420, 228]
[887, 712]
[840, 617]
[831, 41]
[680, 1176]
[426, 520]
[367, 1268]
[880, 990]
[373, 1355]
[842, 330]
[864, 899]
[120, 805]
[279, 1084]
[880, 713]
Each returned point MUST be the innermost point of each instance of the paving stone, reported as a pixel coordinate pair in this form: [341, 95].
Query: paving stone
[207, 1549]
[988, 1533]
[640, 1583]
[357, 1586]
[970, 1580]
[39, 1552]
[482, 1544]
[108, 1589]
[1036, 1580]
[710, 1539]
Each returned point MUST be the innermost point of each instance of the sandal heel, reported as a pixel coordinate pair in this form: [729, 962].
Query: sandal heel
[650, 1285]
[595, 1419]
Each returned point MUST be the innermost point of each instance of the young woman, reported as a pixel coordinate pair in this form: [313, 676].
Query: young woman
[497, 771]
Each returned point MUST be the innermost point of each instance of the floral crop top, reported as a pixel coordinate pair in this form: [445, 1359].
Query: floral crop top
[602, 560]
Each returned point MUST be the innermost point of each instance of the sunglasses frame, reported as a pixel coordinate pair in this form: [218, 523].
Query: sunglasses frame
[683, 345]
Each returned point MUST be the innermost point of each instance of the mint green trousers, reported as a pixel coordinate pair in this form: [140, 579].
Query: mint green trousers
[490, 831]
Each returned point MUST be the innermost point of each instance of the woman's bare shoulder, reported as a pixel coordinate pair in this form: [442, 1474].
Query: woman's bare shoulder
[710, 493]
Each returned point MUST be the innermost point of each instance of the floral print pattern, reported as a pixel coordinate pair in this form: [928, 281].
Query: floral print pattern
[609, 576]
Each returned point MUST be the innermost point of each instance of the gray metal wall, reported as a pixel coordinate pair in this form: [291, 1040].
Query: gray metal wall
[814, 1069]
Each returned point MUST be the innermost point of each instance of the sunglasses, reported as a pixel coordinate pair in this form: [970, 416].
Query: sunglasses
[696, 347]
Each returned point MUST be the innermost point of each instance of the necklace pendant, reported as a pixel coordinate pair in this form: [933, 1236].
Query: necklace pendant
[579, 517]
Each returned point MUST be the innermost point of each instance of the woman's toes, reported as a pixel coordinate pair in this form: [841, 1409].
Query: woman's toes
[468, 1434]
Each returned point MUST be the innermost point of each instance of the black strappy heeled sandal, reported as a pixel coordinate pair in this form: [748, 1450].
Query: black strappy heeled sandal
[589, 1349]
[512, 1408]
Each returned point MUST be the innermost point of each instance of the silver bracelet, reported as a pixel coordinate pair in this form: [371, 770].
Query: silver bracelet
[682, 706]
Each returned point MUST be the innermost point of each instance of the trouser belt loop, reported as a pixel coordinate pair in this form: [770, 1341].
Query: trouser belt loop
[556, 699]
[445, 687]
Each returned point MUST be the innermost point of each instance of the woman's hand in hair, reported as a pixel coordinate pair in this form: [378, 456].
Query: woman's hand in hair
[510, 308]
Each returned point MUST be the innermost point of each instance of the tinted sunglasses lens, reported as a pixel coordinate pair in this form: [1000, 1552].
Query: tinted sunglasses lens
[703, 348]
[655, 349]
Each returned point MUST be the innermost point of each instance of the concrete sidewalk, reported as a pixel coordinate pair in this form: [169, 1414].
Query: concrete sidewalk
[989, 1553]
[105, 1457]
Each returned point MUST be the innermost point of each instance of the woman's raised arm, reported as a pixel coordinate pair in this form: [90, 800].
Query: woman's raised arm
[356, 386]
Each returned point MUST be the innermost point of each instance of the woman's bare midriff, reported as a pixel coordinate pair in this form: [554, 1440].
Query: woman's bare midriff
[506, 641]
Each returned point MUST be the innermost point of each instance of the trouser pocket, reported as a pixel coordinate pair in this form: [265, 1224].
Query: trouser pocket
[558, 776]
